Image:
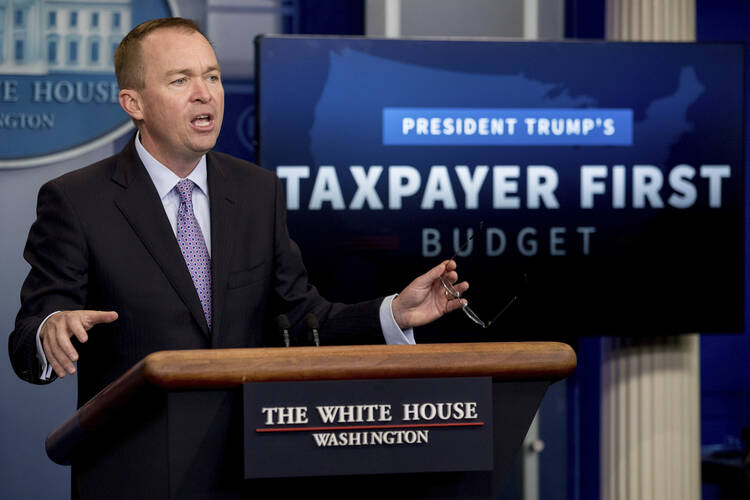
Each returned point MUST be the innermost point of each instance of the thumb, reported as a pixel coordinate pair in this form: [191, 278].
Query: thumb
[91, 318]
[436, 271]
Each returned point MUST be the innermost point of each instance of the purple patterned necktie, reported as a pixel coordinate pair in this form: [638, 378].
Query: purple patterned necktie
[193, 246]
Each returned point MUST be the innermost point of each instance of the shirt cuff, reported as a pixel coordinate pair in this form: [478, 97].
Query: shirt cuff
[391, 331]
[46, 367]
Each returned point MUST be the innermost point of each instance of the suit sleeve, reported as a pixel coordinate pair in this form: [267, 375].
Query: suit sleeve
[57, 252]
[339, 323]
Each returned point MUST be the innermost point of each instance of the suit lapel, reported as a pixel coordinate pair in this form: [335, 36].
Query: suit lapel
[223, 214]
[141, 206]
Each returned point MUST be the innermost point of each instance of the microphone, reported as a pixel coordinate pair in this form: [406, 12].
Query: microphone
[312, 324]
[283, 325]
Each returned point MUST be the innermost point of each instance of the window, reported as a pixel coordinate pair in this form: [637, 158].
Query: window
[18, 18]
[52, 52]
[19, 51]
[51, 19]
[116, 20]
[73, 52]
[94, 52]
[73, 19]
[94, 19]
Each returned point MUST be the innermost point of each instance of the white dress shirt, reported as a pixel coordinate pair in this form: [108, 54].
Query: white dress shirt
[165, 181]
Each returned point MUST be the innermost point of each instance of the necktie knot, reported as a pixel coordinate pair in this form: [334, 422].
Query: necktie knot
[185, 190]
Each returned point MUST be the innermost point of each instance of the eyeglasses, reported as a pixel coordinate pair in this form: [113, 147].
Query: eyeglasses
[450, 290]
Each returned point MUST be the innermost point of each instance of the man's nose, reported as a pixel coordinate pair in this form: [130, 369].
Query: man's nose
[200, 90]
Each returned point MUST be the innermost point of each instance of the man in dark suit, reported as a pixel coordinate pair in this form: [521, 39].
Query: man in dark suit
[168, 245]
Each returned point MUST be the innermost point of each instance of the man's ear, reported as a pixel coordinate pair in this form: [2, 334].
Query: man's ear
[130, 101]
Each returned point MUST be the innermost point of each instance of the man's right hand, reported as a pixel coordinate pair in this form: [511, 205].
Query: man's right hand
[60, 327]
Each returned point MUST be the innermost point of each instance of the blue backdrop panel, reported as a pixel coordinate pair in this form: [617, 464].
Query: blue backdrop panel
[603, 182]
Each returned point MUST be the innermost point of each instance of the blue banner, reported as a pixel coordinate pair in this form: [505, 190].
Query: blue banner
[507, 126]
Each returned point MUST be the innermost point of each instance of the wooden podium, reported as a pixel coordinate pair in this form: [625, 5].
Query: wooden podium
[171, 427]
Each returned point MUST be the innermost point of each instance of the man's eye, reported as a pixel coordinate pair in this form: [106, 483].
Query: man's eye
[179, 81]
[214, 78]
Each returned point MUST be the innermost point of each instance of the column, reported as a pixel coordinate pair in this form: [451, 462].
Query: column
[650, 413]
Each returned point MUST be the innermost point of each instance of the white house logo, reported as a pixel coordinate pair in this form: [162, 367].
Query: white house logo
[369, 426]
[58, 93]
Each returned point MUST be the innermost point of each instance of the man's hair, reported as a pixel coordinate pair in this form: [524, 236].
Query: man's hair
[129, 66]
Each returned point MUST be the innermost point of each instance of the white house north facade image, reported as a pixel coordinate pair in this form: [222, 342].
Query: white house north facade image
[45, 36]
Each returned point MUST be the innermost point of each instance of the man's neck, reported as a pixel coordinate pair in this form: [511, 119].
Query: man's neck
[182, 167]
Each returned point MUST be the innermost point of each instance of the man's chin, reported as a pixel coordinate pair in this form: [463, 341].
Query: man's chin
[205, 145]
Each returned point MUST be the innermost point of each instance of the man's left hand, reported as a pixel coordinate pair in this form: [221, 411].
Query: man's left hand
[425, 299]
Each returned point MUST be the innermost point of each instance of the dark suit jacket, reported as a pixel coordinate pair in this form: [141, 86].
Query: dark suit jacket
[102, 241]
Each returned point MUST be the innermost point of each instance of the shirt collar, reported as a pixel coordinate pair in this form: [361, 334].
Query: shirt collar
[164, 179]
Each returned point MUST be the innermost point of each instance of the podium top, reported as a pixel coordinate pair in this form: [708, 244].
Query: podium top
[230, 367]
[224, 368]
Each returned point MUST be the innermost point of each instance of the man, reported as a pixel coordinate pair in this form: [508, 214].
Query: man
[168, 245]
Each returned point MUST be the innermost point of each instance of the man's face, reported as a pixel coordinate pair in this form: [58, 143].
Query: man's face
[182, 101]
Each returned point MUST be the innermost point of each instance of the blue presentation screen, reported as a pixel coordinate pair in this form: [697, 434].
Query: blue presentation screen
[602, 184]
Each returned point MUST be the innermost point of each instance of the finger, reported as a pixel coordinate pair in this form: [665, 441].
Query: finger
[450, 265]
[452, 305]
[91, 318]
[461, 287]
[435, 272]
[65, 352]
[451, 276]
[79, 331]
[57, 368]
[60, 344]
[57, 352]
[51, 359]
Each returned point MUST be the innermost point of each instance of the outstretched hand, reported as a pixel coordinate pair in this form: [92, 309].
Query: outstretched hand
[60, 327]
[425, 299]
